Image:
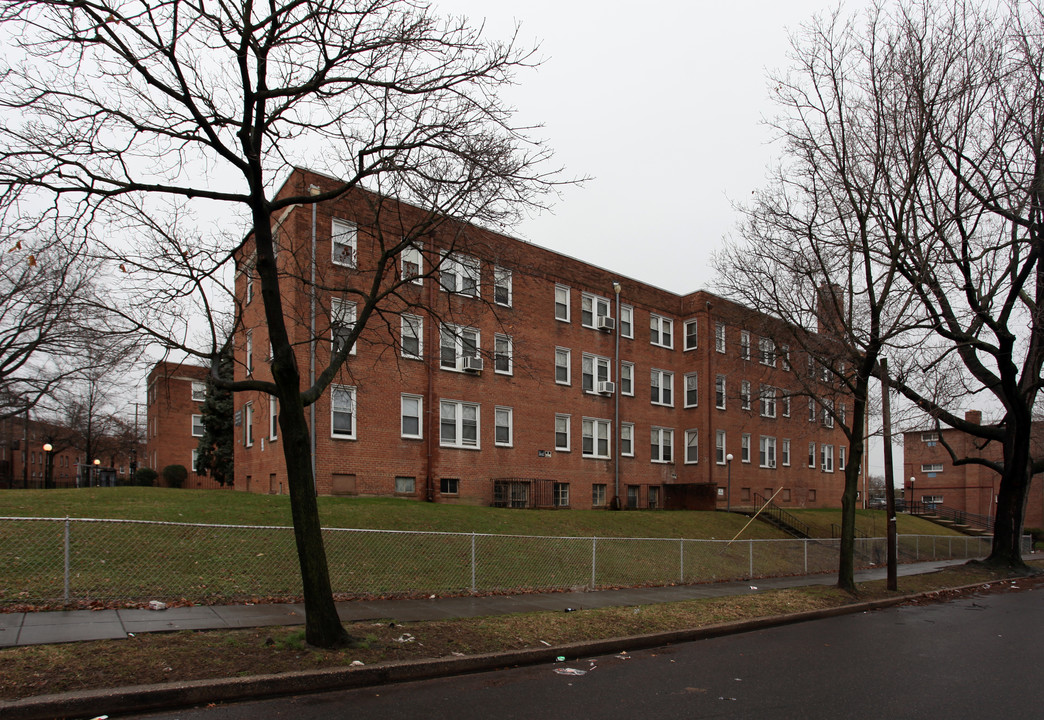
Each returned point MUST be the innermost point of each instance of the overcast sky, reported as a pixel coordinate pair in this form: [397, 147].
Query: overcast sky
[662, 105]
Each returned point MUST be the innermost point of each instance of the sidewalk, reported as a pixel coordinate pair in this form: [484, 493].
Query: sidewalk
[78, 625]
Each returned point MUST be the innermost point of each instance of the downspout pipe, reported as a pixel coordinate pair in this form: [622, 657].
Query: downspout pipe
[313, 190]
[616, 410]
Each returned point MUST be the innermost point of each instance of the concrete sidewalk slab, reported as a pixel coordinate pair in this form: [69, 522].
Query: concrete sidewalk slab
[10, 624]
[240, 616]
[178, 618]
[70, 626]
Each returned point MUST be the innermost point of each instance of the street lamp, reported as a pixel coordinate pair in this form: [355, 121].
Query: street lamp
[97, 473]
[47, 448]
[912, 496]
[728, 492]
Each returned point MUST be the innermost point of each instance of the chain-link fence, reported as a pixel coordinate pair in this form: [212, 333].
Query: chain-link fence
[48, 560]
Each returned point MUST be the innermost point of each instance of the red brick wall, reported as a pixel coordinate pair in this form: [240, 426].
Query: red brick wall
[381, 375]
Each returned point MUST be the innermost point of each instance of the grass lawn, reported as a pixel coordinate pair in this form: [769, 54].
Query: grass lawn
[513, 550]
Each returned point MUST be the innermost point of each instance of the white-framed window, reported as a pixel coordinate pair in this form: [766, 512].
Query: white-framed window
[768, 401]
[719, 337]
[811, 454]
[449, 486]
[411, 265]
[412, 337]
[342, 322]
[745, 447]
[561, 494]
[745, 395]
[767, 351]
[562, 433]
[827, 452]
[785, 400]
[195, 461]
[692, 446]
[661, 445]
[273, 418]
[459, 424]
[197, 426]
[502, 292]
[459, 274]
[411, 414]
[562, 303]
[503, 362]
[661, 384]
[199, 391]
[592, 307]
[249, 352]
[563, 358]
[661, 331]
[719, 447]
[930, 437]
[692, 390]
[784, 452]
[594, 369]
[405, 485]
[842, 413]
[249, 273]
[503, 426]
[595, 434]
[692, 337]
[744, 345]
[343, 237]
[248, 424]
[932, 468]
[626, 321]
[828, 413]
[811, 410]
[455, 344]
[627, 378]
[842, 457]
[784, 353]
[719, 392]
[342, 412]
[627, 439]
[767, 452]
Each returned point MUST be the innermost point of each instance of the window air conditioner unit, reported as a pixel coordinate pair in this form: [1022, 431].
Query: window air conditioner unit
[473, 364]
[607, 324]
[606, 388]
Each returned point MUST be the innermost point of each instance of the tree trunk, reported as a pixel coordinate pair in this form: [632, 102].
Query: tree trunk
[846, 558]
[323, 627]
[1011, 496]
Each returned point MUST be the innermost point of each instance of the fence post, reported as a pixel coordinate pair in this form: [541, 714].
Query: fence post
[805, 543]
[473, 588]
[750, 545]
[67, 559]
[917, 548]
[594, 560]
[681, 560]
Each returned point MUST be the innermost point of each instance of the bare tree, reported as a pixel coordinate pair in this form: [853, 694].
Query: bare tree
[818, 244]
[977, 262]
[143, 117]
[45, 317]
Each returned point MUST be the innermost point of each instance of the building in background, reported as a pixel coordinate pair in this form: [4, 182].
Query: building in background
[932, 478]
[519, 376]
[174, 419]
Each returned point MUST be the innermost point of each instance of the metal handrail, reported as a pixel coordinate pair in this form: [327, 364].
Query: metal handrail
[961, 517]
[782, 517]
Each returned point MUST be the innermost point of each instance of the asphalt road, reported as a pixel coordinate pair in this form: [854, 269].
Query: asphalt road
[977, 657]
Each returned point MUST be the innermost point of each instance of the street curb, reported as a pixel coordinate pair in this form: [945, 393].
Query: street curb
[169, 696]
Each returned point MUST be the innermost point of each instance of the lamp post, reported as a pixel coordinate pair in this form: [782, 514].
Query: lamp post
[728, 491]
[47, 448]
[912, 496]
[97, 473]
[616, 405]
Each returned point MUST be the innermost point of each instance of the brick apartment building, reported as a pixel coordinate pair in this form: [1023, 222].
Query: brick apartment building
[26, 461]
[174, 419]
[931, 477]
[511, 374]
